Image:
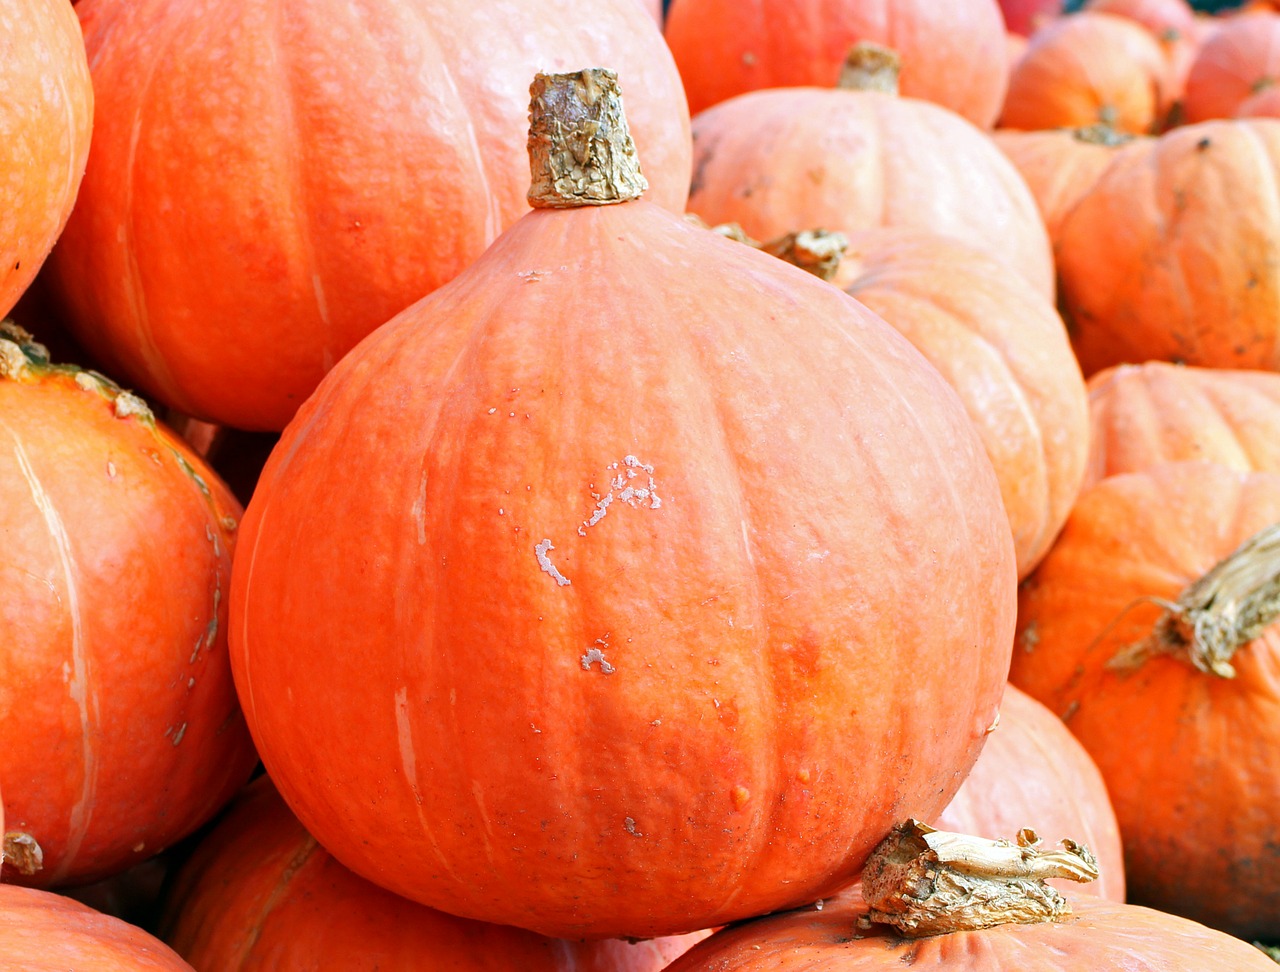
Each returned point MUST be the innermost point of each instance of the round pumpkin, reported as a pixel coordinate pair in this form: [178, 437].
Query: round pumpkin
[790, 159]
[259, 893]
[1174, 253]
[1143, 415]
[1087, 69]
[1241, 59]
[1003, 348]
[46, 115]
[634, 539]
[1033, 771]
[1264, 104]
[951, 51]
[270, 182]
[43, 932]
[1186, 751]
[1023, 17]
[121, 731]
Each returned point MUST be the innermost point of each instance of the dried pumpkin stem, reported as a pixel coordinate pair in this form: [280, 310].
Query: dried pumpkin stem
[871, 67]
[22, 852]
[580, 149]
[817, 251]
[925, 882]
[1101, 134]
[1220, 613]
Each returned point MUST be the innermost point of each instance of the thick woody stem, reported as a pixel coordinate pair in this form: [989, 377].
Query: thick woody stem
[580, 149]
[925, 882]
[22, 853]
[871, 67]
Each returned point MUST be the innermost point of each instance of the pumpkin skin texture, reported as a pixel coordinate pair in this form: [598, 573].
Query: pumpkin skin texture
[1188, 757]
[1173, 255]
[260, 894]
[1143, 415]
[1265, 104]
[1003, 348]
[951, 49]
[282, 201]
[1173, 24]
[1239, 60]
[1098, 935]
[1086, 69]
[121, 730]
[43, 932]
[1033, 772]
[778, 460]
[46, 116]
[780, 161]
[1025, 16]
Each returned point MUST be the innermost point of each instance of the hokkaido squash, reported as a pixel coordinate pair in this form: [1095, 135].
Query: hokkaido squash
[46, 115]
[272, 181]
[121, 731]
[622, 551]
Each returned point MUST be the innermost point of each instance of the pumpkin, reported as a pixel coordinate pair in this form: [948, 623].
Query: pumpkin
[121, 731]
[287, 193]
[43, 932]
[1015, 47]
[260, 893]
[1173, 24]
[951, 53]
[1059, 165]
[1003, 347]
[1174, 255]
[1175, 701]
[1143, 415]
[790, 159]
[1264, 104]
[46, 116]
[1025, 16]
[1241, 59]
[633, 539]
[1033, 770]
[1087, 69]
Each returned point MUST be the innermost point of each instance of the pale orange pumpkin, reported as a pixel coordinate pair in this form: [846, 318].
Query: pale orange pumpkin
[1241, 59]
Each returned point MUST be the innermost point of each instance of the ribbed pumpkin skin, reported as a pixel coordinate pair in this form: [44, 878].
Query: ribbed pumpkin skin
[46, 115]
[121, 730]
[1174, 254]
[1265, 104]
[951, 49]
[1003, 348]
[787, 160]
[1143, 415]
[1033, 773]
[260, 894]
[43, 932]
[1086, 69]
[273, 180]
[1098, 935]
[1241, 58]
[1189, 758]
[641, 715]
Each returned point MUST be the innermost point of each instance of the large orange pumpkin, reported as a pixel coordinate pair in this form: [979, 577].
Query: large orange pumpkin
[271, 181]
[1002, 346]
[952, 52]
[260, 894]
[120, 729]
[627, 553]
[1239, 60]
[46, 114]
[1188, 754]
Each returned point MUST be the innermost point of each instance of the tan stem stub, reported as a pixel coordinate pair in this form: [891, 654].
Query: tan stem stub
[580, 149]
[924, 882]
[1218, 614]
[871, 67]
[817, 251]
[22, 853]
[1101, 134]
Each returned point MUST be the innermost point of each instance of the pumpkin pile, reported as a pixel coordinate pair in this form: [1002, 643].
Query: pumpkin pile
[508, 561]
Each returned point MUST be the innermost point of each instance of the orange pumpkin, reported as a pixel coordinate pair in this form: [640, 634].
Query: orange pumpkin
[1264, 104]
[633, 538]
[1003, 348]
[1239, 60]
[1143, 415]
[121, 731]
[1174, 254]
[1087, 69]
[1188, 753]
[280, 202]
[1173, 24]
[46, 115]
[952, 53]
[260, 894]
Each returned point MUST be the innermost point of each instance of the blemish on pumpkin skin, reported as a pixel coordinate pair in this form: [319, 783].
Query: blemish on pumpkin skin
[740, 796]
[540, 551]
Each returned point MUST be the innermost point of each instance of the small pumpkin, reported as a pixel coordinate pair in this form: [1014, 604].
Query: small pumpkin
[1241, 59]
[1174, 26]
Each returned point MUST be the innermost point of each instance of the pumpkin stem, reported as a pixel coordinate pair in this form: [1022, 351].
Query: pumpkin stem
[871, 67]
[580, 149]
[818, 251]
[930, 882]
[1220, 613]
[22, 853]
[1101, 134]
